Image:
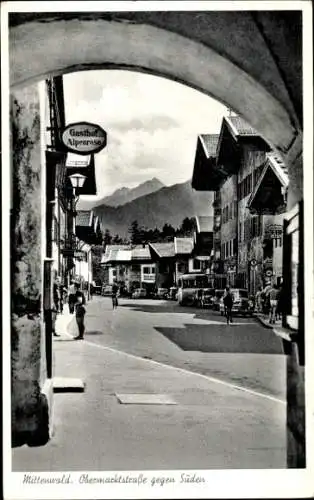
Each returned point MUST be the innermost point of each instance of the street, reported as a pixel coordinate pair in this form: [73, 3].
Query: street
[244, 353]
[151, 404]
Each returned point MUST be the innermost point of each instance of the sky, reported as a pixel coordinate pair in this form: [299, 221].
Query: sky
[152, 125]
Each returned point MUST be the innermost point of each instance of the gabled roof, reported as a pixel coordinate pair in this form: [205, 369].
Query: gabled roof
[204, 223]
[163, 250]
[183, 246]
[141, 252]
[111, 252]
[209, 143]
[125, 253]
[239, 127]
[277, 166]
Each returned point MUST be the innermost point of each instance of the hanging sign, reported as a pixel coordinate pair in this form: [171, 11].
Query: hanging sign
[80, 254]
[84, 138]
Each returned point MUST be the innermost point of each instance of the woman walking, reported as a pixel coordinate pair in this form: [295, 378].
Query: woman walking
[80, 312]
[72, 297]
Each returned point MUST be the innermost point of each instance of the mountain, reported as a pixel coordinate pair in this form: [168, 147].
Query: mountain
[170, 204]
[125, 195]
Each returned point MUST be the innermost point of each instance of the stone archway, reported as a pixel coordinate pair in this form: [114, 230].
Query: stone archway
[225, 68]
[246, 61]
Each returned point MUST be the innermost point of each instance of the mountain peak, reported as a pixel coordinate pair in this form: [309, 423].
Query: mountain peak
[169, 204]
[124, 194]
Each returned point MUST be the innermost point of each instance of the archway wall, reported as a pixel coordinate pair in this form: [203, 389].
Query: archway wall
[250, 62]
[223, 54]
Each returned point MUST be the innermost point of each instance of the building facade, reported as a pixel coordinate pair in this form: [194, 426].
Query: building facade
[245, 252]
[130, 266]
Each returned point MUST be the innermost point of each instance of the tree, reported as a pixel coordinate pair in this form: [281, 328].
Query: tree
[137, 234]
[98, 270]
[117, 240]
[134, 232]
[168, 232]
[188, 226]
[107, 238]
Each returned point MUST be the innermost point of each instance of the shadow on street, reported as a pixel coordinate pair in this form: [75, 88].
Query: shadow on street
[224, 338]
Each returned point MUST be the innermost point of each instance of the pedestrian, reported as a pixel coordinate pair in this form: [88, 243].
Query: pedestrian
[280, 304]
[228, 303]
[80, 312]
[55, 297]
[61, 293]
[266, 303]
[259, 300]
[72, 297]
[54, 311]
[273, 299]
[114, 295]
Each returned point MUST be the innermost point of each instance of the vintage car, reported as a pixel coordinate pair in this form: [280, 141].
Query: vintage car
[95, 288]
[242, 304]
[173, 293]
[216, 300]
[205, 297]
[139, 293]
[106, 290]
[162, 293]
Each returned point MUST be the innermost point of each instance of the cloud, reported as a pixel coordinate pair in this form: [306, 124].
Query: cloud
[152, 124]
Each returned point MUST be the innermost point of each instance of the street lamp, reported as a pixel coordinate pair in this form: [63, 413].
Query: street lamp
[77, 181]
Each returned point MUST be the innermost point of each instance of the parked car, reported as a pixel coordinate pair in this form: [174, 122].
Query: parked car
[95, 288]
[162, 293]
[139, 293]
[106, 290]
[216, 299]
[206, 297]
[242, 304]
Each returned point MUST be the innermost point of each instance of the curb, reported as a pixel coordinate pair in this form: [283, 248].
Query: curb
[264, 322]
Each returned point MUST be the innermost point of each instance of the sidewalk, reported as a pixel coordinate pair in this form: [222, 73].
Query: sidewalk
[197, 423]
[264, 320]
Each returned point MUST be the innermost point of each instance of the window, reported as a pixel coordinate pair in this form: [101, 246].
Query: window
[196, 264]
[146, 270]
[55, 229]
[235, 246]
[256, 226]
